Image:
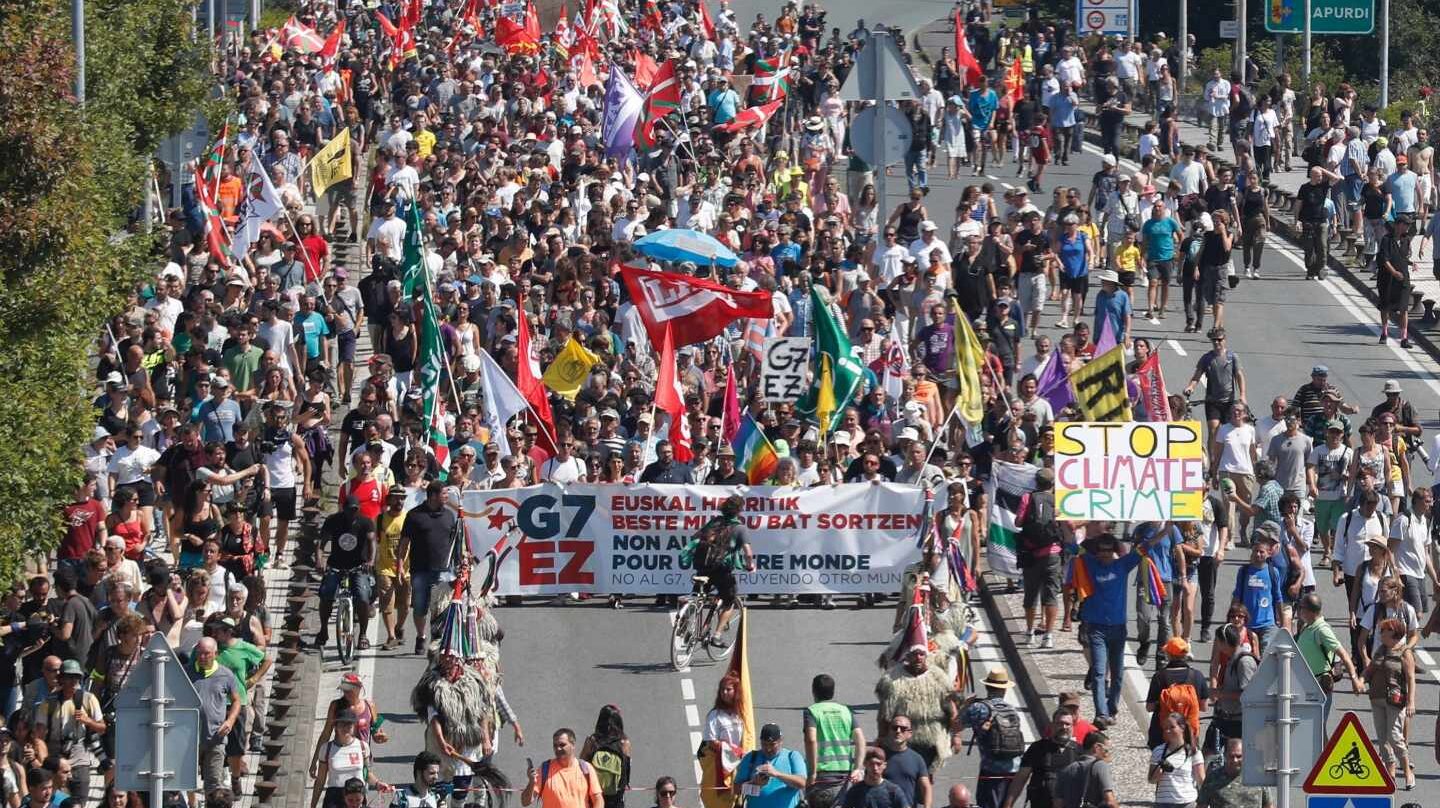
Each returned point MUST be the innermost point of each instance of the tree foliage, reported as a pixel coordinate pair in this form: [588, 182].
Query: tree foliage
[70, 180]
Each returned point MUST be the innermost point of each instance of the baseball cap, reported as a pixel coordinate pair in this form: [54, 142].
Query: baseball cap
[351, 681]
[1177, 647]
[841, 437]
[71, 667]
[769, 732]
[1320, 370]
[1335, 424]
[1108, 159]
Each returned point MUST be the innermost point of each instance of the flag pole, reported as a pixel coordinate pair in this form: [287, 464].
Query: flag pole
[940, 432]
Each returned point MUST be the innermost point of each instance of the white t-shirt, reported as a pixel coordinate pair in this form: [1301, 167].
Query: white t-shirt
[563, 471]
[1236, 444]
[132, 466]
[889, 264]
[344, 762]
[1410, 540]
[279, 335]
[1263, 126]
[1191, 177]
[1176, 786]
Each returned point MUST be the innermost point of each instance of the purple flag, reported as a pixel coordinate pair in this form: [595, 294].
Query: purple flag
[1105, 340]
[623, 104]
[1053, 384]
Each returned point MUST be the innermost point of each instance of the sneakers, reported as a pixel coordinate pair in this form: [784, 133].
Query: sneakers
[1047, 640]
[419, 645]
[1154, 319]
[1142, 653]
[1064, 323]
[1383, 339]
[1029, 638]
[1405, 343]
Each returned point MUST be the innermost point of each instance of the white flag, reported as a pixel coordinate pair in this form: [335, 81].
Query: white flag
[259, 205]
[503, 401]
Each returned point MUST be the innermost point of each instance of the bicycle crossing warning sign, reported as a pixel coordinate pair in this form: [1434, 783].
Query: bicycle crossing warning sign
[1349, 764]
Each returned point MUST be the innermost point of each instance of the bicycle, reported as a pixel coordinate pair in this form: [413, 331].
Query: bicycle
[696, 625]
[344, 617]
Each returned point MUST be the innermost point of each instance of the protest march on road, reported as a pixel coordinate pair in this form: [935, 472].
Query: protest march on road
[586, 331]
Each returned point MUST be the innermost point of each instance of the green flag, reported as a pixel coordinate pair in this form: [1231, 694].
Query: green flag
[837, 367]
[414, 257]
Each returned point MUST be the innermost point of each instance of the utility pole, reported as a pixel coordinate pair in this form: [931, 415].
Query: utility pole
[1385, 56]
[1305, 59]
[876, 35]
[77, 33]
[1240, 18]
[1184, 34]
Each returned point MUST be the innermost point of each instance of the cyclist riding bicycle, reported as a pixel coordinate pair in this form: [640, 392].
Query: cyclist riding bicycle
[721, 547]
[347, 547]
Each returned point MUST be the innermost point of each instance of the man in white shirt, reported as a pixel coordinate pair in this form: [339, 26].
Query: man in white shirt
[403, 178]
[387, 233]
[889, 258]
[1070, 70]
[1216, 106]
[1049, 85]
[1128, 66]
[928, 243]
[1410, 547]
[932, 101]
[1268, 426]
[564, 468]
[1187, 172]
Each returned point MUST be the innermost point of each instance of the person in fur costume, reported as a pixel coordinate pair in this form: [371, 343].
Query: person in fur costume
[949, 637]
[914, 687]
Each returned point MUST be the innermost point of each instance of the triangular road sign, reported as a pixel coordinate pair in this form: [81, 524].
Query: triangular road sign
[1349, 764]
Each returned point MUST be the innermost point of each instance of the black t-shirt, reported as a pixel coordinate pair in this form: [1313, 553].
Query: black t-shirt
[1112, 114]
[1373, 199]
[885, 795]
[904, 769]
[1045, 758]
[429, 534]
[1217, 198]
[1030, 261]
[1312, 201]
[347, 540]
[736, 477]
[353, 426]
[1025, 114]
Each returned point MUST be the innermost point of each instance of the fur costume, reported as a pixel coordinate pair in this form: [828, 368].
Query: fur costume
[466, 705]
[923, 699]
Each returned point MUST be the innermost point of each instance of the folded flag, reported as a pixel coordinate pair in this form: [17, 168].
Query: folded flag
[1009, 483]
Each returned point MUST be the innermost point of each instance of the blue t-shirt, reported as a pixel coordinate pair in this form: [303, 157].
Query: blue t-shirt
[781, 253]
[1260, 590]
[1161, 548]
[1062, 111]
[1072, 252]
[1402, 190]
[774, 794]
[1159, 236]
[217, 420]
[1106, 605]
[725, 103]
[982, 107]
[313, 327]
[1116, 307]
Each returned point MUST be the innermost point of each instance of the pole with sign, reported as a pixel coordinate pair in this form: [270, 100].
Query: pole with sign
[880, 75]
[1282, 718]
[1348, 773]
[158, 726]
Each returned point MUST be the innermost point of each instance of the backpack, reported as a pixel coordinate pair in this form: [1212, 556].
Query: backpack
[1314, 154]
[1038, 529]
[1004, 739]
[1181, 698]
[612, 768]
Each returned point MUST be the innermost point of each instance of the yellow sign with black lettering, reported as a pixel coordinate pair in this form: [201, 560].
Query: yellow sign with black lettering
[570, 369]
[333, 163]
[1099, 387]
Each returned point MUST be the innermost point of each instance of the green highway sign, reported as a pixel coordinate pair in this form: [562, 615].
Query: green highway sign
[1355, 17]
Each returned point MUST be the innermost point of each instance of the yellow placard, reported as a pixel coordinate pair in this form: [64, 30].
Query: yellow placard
[1349, 764]
[1099, 387]
[569, 370]
[333, 163]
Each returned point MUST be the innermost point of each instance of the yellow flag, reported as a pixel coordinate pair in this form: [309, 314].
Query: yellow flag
[569, 370]
[969, 358]
[825, 401]
[1099, 387]
[333, 163]
[739, 670]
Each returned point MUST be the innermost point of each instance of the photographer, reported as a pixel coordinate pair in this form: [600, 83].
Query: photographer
[72, 723]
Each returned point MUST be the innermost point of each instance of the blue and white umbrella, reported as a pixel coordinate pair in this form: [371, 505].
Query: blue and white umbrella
[677, 245]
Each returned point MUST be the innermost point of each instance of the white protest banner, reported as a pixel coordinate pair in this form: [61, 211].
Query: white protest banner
[612, 539]
[783, 368]
[1129, 472]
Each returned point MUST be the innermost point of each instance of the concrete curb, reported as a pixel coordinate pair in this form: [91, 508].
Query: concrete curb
[1033, 684]
[1283, 223]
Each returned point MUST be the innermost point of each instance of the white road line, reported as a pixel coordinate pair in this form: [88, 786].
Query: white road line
[986, 649]
[692, 715]
[1175, 346]
[695, 739]
[687, 688]
[1429, 662]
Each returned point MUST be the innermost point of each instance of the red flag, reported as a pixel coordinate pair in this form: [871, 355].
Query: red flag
[964, 59]
[670, 397]
[730, 409]
[332, 42]
[1151, 379]
[584, 68]
[651, 17]
[662, 99]
[694, 308]
[410, 14]
[527, 381]
[217, 238]
[645, 69]
[1015, 82]
[707, 21]
[751, 116]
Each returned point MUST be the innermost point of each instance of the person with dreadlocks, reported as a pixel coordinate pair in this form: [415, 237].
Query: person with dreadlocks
[721, 547]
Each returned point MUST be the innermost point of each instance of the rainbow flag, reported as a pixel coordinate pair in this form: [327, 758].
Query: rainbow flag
[1153, 583]
[753, 451]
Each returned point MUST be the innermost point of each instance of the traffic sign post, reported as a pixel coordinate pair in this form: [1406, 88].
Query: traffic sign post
[1102, 17]
[894, 141]
[1282, 718]
[1342, 17]
[158, 697]
[880, 75]
[1349, 766]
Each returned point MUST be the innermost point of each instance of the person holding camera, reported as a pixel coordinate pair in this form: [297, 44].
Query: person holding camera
[1177, 769]
[72, 722]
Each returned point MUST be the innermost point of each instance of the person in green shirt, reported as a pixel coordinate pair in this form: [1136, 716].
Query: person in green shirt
[243, 361]
[1223, 788]
[249, 664]
[1319, 647]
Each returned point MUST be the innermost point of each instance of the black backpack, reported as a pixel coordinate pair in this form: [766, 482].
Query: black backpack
[1004, 739]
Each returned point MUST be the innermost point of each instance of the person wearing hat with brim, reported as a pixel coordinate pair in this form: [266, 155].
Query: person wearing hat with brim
[1112, 304]
[343, 758]
[725, 471]
[353, 702]
[992, 721]
[1405, 421]
[60, 712]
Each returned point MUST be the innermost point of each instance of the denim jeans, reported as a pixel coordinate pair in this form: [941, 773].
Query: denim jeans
[1107, 654]
[917, 169]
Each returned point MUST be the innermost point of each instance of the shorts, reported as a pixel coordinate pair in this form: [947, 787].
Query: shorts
[345, 345]
[1160, 270]
[1218, 410]
[284, 499]
[1352, 186]
[393, 594]
[1422, 189]
[422, 583]
[144, 492]
[982, 134]
[722, 583]
[1214, 285]
[1327, 515]
[361, 584]
[1078, 285]
[1034, 288]
[238, 741]
[1041, 580]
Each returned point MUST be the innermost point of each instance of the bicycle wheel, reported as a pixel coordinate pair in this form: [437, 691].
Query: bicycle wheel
[345, 628]
[721, 643]
[683, 636]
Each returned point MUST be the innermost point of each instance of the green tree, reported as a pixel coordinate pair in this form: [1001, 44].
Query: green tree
[70, 181]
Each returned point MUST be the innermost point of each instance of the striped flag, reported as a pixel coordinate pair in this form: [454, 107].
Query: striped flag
[753, 451]
[771, 79]
[1009, 483]
[662, 99]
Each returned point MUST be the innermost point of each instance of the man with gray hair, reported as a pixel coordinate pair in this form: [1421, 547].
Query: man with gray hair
[220, 703]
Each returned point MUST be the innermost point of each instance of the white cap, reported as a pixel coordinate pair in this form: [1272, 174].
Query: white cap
[1108, 159]
[471, 363]
[928, 225]
[908, 433]
[841, 437]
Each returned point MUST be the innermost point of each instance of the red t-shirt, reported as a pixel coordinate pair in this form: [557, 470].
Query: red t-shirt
[371, 494]
[316, 250]
[83, 521]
